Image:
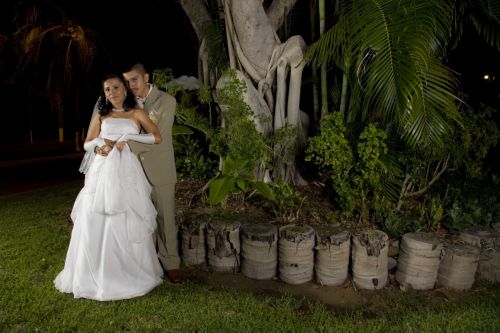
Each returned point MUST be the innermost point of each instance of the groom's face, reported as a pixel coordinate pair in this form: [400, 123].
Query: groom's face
[137, 82]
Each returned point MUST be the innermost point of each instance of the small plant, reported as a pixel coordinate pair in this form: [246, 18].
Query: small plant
[458, 219]
[236, 177]
[431, 213]
[162, 76]
[191, 159]
[395, 224]
[462, 215]
[287, 201]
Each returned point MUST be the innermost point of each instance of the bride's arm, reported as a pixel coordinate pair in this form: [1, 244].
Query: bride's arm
[153, 133]
[93, 140]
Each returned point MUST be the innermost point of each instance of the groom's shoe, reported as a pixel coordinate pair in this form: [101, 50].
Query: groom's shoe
[174, 275]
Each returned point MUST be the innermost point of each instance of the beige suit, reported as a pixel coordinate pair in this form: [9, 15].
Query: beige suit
[158, 162]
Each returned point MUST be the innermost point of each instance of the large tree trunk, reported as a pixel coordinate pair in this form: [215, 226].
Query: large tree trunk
[273, 70]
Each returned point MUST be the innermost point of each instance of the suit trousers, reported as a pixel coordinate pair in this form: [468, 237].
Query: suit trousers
[166, 233]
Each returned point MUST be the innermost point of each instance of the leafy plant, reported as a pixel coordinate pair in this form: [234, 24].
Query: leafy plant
[395, 224]
[390, 55]
[472, 203]
[192, 159]
[236, 176]
[238, 136]
[473, 141]
[192, 127]
[161, 76]
[287, 201]
[431, 213]
[356, 176]
[243, 150]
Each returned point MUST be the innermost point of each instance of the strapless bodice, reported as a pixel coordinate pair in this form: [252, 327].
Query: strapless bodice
[113, 128]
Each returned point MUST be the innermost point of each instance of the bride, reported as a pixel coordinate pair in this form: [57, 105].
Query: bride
[111, 253]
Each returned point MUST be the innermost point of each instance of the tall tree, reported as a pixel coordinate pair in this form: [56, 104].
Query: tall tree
[270, 68]
[57, 49]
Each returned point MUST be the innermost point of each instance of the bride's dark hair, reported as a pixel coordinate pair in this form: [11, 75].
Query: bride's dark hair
[105, 106]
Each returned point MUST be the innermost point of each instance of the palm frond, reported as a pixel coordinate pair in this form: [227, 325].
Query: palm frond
[391, 50]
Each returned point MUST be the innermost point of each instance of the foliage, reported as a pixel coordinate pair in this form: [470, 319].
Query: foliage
[482, 15]
[466, 193]
[470, 203]
[191, 159]
[238, 136]
[287, 201]
[472, 142]
[390, 52]
[161, 76]
[242, 148]
[370, 169]
[396, 224]
[431, 213]
[356, 176]
[215, 34]
[330, 150]
[236, 176]
[284, 142]
[192, 127]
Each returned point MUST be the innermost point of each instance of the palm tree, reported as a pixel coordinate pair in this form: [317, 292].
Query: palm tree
[390, 53]
[57, 48]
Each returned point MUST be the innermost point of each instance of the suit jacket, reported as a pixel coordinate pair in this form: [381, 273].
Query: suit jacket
[158, 160]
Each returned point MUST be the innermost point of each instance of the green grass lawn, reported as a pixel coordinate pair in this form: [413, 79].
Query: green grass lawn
[34, 235]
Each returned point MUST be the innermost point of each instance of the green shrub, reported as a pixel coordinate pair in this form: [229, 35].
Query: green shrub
[355, 175]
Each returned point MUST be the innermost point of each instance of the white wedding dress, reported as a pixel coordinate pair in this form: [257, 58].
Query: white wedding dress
[111, 253]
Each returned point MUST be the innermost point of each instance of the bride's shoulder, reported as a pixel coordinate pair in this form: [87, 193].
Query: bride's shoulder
[138, 113]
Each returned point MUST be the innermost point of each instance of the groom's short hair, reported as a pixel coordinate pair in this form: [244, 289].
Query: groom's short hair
[139, 67]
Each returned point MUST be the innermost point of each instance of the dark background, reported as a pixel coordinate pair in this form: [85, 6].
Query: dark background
[157, 33]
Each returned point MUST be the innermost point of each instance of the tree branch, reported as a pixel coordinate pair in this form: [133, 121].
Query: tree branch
[438, 171]
[197, 13]
[278, 11]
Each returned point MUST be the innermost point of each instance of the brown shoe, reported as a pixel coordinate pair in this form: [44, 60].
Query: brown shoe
[174, 275]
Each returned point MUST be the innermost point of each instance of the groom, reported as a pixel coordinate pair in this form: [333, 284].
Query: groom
[159, 164]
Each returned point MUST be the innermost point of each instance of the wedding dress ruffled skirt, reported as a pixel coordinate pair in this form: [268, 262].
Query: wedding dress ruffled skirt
[111, 253]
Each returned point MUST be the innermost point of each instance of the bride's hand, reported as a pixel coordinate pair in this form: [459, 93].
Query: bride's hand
[110, 143]
[120, 144]
[103, 151]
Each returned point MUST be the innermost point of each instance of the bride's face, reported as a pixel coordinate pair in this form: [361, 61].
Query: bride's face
[115, 91]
